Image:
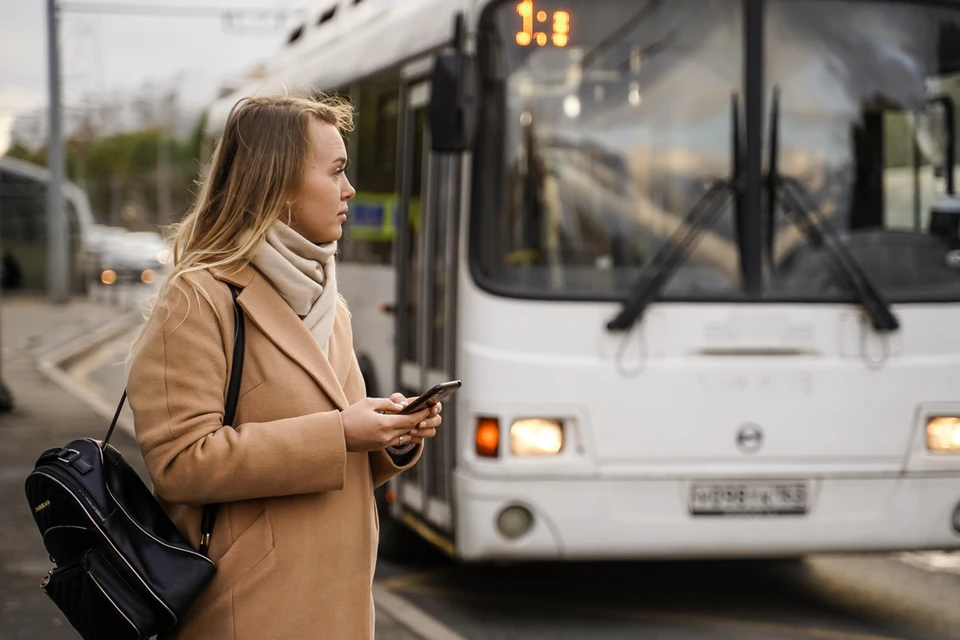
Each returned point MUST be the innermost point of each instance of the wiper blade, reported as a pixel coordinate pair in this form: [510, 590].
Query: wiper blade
[672, 254]
[816, 226]
[674, 251]
[798, 203]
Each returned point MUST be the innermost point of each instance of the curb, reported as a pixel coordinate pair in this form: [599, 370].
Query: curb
[52, 365]
[58, 356]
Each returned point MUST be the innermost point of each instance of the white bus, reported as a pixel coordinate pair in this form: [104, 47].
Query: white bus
[696, 263]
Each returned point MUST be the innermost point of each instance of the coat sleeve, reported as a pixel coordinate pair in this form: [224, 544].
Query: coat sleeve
[177, 388]
[384, 466]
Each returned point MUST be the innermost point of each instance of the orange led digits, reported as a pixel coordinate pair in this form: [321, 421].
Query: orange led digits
[525, 10]
[526, 36]
[561, 28]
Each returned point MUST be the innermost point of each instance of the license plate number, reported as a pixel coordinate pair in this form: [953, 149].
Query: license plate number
[743, 498]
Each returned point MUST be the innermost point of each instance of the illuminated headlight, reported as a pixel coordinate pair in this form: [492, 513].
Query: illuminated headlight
[164, 256]
[943, 434]
[108, 276]
[148, 276]
[536, 437]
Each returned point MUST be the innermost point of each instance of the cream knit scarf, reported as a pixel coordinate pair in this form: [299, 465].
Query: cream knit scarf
[304, 274]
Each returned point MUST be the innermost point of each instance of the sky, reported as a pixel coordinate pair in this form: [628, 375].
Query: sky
[111, 55]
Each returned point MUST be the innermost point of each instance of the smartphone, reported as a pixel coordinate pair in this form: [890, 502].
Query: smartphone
[440, 392]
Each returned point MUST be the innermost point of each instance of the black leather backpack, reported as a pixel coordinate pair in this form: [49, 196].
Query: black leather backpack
[123, 571]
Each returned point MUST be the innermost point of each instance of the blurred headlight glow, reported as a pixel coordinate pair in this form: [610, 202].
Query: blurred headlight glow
[943, 434]
[164, 256]
[148, 276]
[108, 276]
[536, 437]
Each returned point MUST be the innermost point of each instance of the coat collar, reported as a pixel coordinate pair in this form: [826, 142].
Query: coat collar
[283, 327]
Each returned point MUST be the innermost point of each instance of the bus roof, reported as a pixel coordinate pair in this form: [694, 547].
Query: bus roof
[344, 40]
[36, 173]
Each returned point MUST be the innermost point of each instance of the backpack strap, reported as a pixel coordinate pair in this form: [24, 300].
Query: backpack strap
[229, 410]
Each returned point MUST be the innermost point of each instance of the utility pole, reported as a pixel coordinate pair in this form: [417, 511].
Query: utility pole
[57, 249]
[6, 400]
[166, 123]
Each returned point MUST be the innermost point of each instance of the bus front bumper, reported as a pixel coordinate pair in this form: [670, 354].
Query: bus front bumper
[595, 519]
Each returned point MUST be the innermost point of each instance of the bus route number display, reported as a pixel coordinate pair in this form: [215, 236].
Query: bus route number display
[535, 23]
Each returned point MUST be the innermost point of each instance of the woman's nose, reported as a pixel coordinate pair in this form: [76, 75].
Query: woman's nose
[349, 192]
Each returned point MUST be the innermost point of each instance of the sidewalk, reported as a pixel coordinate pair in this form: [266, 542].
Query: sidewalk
[45, 415]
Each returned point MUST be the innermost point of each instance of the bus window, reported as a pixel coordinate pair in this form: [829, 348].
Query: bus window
[594, 149]
[866, 95]
[23, 231]
[369, 232]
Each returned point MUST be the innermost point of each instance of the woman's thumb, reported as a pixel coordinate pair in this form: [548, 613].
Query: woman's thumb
[385, 404]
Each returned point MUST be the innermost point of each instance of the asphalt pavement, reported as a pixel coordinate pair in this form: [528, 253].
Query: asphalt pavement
[914, 596]
[34, 336]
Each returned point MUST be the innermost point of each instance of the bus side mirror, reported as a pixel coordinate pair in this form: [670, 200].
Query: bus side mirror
[453, 103]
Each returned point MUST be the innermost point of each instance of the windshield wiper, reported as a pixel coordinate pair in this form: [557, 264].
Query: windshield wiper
[798, 203]
[674, 251]
[672, 254]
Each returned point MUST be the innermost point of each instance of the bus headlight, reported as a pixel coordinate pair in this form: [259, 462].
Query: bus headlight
[148, 276]
[536, 437]
[943, 434]
[108, 276]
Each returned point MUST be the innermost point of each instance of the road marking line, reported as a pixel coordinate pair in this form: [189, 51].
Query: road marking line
[410, 579]
[932, 561]
[676, 619]
[411, 616]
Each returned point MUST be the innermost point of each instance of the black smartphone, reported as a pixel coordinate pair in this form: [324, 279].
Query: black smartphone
[437, 394]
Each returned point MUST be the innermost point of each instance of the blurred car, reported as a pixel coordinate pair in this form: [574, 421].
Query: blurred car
[133, 257]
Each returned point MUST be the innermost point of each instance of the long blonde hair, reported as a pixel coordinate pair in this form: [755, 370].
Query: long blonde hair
[255, 171]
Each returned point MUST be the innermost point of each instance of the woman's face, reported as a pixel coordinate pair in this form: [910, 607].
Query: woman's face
[319, 207]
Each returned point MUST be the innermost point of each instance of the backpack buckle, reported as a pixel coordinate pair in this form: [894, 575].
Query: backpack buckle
[73, 458]
[67, 456]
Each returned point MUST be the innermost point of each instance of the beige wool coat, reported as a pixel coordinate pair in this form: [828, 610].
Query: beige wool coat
[296, 537]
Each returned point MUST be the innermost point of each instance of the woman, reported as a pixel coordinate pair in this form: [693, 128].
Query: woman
[296, 537]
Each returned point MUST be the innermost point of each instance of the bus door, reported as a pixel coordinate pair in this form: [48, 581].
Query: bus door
[426, 259]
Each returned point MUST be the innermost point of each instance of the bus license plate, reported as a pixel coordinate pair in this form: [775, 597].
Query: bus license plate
[733, 498]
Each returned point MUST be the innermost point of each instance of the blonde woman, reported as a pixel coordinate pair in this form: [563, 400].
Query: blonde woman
[296, 536]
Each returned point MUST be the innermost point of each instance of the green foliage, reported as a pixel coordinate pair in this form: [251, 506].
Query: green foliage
[120, 173]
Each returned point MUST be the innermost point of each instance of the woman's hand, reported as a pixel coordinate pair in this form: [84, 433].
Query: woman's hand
[427, 428]
[373, 424]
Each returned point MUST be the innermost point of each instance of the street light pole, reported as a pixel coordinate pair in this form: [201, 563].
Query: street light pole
[6, 400]
[56, 221]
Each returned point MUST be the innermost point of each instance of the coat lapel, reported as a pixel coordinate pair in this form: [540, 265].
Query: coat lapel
[274, 317]
[341, 357]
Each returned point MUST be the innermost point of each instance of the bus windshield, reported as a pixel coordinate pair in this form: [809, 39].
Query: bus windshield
[606, 139]
[605, 121]
[867, 99]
